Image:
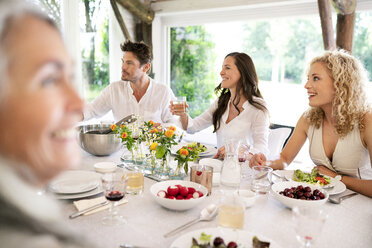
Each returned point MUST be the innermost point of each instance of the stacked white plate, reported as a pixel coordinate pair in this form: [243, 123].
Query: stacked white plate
[75, 184]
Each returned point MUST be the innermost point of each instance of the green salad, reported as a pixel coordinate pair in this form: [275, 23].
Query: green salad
[197, 146]
[313, 177]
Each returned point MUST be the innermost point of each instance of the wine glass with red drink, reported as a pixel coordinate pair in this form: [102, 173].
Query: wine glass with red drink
[114, 185]
[243, 151]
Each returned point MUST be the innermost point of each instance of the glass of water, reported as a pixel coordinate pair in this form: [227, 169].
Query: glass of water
[261, 182]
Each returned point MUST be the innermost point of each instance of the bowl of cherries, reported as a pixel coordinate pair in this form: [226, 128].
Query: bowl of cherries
[299, 194]
[178, 195]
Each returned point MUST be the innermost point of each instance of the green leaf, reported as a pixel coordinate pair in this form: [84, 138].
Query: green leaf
[160, 151]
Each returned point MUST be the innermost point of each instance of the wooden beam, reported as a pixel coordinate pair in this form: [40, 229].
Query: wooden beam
[326, 23]
[138, 9]
[345, 31]
[120, 20]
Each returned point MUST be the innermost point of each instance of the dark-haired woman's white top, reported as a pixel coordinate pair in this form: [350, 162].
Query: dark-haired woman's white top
[251, 125]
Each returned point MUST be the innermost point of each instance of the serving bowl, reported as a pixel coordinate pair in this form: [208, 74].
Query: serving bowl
[94, 139]
[291, 202]
[174, 204]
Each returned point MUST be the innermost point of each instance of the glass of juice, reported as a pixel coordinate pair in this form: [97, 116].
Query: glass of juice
[135, 183]
[231, 211]
[180, 104]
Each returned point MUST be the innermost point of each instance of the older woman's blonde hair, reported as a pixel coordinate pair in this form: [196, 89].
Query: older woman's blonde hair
[350, 103]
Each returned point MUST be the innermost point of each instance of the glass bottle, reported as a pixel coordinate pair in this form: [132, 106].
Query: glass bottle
[230, 172]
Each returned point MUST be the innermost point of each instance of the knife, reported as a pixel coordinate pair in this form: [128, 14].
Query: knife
[77, 214]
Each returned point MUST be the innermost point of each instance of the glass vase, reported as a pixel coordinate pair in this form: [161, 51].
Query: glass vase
[162, 167]
[177, 173]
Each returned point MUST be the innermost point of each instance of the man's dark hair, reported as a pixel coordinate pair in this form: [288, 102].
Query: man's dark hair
[140, 49]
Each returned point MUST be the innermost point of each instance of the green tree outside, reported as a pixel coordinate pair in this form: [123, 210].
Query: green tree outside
[192, 60]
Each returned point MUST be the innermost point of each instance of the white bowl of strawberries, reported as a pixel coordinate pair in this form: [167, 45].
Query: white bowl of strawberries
[178, 194]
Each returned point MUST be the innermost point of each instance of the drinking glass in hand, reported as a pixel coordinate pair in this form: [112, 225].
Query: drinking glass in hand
[243, 151]
[180, 104]
[114, 185]
[308, 224]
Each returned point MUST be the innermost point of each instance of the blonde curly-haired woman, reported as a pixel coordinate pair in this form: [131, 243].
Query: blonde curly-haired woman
[338, 123]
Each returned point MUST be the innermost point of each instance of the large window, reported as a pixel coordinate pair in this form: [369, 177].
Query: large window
[280, 48]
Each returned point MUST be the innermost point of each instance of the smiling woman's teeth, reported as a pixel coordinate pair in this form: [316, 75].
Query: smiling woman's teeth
[65, 133]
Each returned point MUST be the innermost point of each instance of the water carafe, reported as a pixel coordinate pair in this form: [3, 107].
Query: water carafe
[230, 172]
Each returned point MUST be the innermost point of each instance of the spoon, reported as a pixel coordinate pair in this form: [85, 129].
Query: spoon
[206, 214]
[339, 199]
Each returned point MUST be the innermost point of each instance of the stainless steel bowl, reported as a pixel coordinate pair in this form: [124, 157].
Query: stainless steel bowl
[100, 144]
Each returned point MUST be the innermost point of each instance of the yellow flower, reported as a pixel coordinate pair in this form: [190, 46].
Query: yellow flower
[122, 125]
[153, 146]
[124, 135]
[169, 133]
[113, 127]
[172, 128]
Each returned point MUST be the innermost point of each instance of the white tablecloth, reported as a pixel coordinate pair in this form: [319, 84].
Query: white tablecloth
[349, 224]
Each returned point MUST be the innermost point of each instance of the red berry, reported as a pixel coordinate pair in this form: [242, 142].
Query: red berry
[173, 190]
[189, 196]
[162, 194]
[178, 186]
[200, 193]
[198, 173]
[191, 190]
[232, 244]
[171, 197]
[184, 191]
[179, 197]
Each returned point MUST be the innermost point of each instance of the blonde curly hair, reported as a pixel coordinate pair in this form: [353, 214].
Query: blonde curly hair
[350, 103]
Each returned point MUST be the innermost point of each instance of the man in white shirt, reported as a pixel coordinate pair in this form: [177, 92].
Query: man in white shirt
[137, 93]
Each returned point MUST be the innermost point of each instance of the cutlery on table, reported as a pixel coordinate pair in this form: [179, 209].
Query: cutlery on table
[340, 199]
[206, 214]
[279, 176]
[77, 214]
[131, 246]
[129, 119]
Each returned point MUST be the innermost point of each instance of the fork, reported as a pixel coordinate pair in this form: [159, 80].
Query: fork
[340, 199]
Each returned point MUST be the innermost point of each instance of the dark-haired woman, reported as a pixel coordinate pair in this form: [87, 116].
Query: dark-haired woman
[239, 112]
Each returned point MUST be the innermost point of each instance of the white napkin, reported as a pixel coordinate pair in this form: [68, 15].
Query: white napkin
[84, 204]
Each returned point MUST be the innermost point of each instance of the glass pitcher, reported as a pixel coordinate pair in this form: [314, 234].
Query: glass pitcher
[230, 171]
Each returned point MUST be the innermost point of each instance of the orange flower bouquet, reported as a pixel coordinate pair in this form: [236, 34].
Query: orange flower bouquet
[184, 155]
[125, 134]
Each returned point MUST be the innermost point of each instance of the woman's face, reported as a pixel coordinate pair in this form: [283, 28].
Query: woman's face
[230, 74]
[40, 108]
[319, 85]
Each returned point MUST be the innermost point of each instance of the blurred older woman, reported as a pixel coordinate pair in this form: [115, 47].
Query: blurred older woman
[338, 124]
[38, 111]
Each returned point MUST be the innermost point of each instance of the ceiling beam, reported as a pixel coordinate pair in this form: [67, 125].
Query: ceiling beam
[138, 9]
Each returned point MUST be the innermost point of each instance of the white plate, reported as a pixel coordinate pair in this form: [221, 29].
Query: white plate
[74, 182]
[93, 192]
[241, 237]
[216, 164]
[105, 167]
[211, 151]
[333, 188]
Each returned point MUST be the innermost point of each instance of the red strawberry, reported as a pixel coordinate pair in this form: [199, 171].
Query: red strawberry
[162, 194]
[184, 191]
[179, 197]
[198, 173]
[171, 197]
[173, 190]
[189, 196]
[191, 190]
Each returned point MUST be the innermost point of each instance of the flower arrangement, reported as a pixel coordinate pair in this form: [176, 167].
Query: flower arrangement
[163, 140]
[125, 134]
[186, 154]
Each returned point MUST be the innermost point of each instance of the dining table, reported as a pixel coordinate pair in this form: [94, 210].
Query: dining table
[349, 224]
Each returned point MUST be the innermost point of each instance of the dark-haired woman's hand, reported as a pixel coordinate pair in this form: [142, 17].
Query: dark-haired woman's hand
[257, 159]
[220, 153]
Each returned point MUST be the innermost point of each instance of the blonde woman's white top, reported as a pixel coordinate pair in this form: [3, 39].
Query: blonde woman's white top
[251, 125]
[350, 157]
